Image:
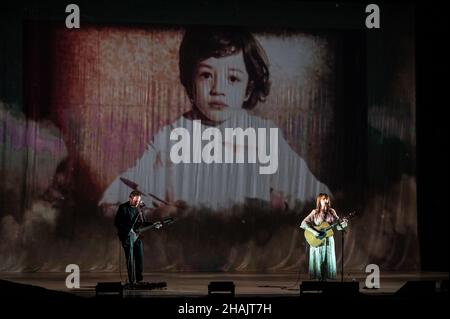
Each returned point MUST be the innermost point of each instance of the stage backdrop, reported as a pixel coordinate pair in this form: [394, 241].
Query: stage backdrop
[101, 101]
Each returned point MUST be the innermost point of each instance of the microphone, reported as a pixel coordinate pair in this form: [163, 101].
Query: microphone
[141, 204]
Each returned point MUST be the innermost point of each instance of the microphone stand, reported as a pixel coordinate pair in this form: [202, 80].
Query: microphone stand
[342, 252]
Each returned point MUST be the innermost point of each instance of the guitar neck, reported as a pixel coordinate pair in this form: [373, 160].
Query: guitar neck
[143, 229]
[164, 222]
[338, 222]
[329, 227]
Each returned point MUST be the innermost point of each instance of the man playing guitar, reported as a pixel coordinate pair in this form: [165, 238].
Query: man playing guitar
[129, 220]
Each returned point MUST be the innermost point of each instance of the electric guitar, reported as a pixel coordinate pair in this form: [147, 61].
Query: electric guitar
[325, 230]
[157, 225]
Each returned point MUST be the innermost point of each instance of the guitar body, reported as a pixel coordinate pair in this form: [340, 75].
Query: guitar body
[319, 241]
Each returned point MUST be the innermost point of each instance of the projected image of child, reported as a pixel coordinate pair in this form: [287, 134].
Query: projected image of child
[218, 154]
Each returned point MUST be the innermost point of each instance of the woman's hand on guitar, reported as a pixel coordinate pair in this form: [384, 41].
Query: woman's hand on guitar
[321, 234]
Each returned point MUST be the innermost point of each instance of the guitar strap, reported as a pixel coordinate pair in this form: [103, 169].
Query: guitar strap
[138, 220]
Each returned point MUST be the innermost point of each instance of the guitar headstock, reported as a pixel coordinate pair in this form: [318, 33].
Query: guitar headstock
[347, 217]
[168, 221]
[351, 214]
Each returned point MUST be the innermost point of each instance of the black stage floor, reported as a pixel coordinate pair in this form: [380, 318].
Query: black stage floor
[196, 284]
[276, 293]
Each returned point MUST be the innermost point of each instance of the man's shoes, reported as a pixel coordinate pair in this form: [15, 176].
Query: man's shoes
[145, 285]
[129, 286]
[137, 285]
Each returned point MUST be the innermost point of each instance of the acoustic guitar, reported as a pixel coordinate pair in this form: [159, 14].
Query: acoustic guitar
[325, 230]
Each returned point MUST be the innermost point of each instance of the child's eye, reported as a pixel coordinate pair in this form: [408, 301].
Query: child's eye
[205, 75]
[234, 79]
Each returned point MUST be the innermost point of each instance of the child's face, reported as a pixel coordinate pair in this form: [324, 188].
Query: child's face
[220, 86]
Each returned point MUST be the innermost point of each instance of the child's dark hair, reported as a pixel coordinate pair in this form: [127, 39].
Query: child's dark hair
[200, 43]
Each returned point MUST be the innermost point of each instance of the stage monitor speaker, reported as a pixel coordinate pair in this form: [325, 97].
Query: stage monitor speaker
[221, 288]
[443, 286]
[341, 289]
[418, 288]
[109, 289]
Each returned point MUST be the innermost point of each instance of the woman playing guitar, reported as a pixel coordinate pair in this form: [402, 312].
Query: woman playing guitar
[322, 258]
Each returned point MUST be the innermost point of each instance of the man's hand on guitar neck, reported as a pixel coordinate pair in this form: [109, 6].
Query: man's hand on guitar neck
[158, 225]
